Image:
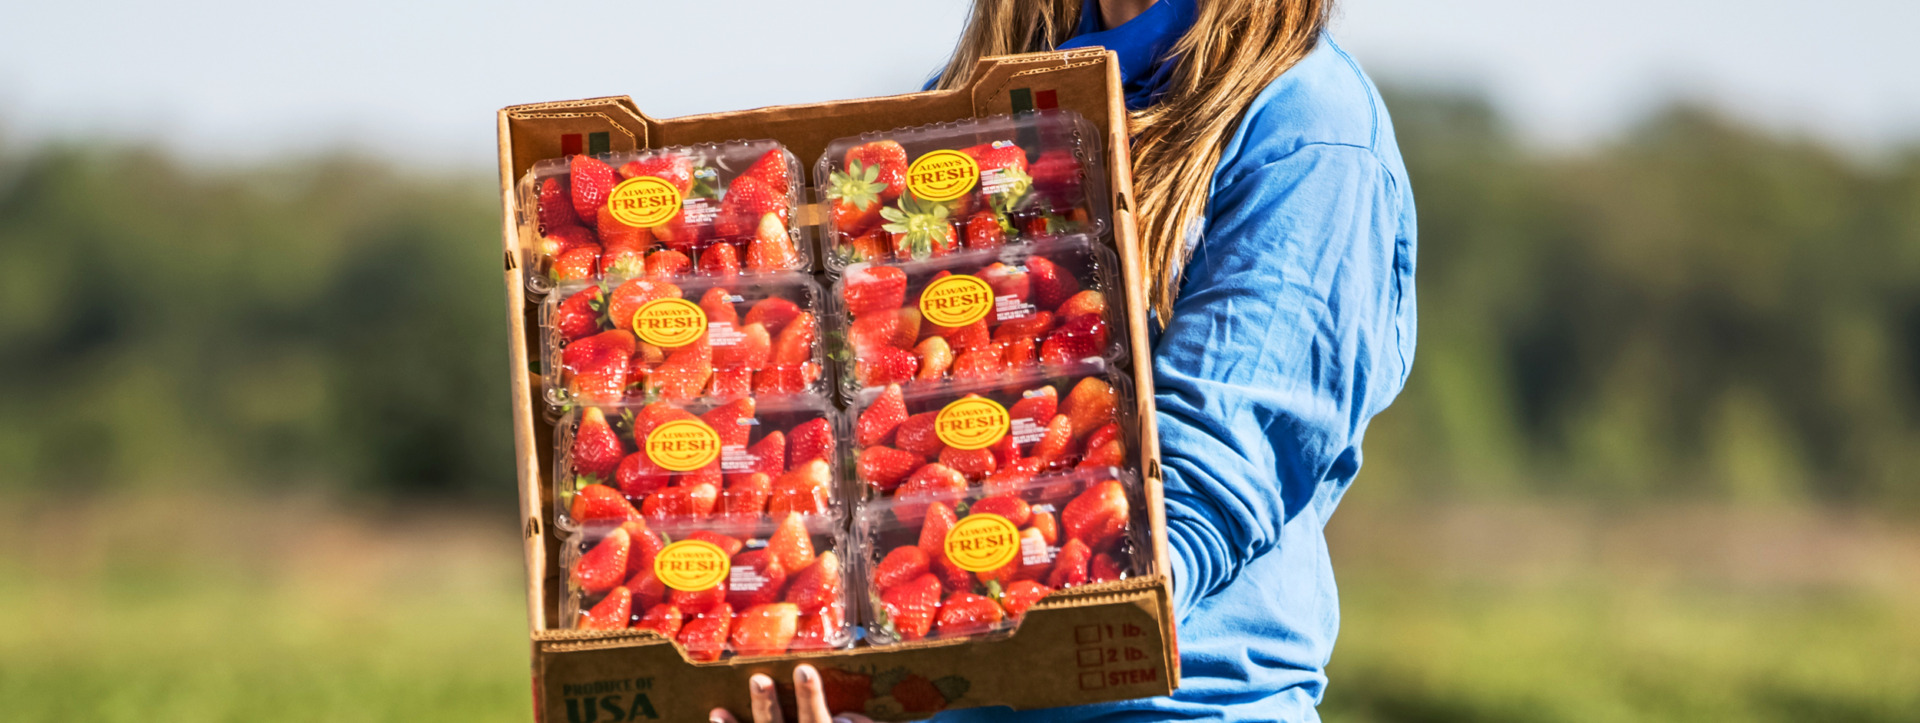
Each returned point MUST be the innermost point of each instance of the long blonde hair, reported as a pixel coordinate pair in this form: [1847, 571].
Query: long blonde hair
[1235, 48]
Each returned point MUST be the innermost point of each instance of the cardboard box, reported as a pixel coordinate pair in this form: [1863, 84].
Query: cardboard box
[1096, 643]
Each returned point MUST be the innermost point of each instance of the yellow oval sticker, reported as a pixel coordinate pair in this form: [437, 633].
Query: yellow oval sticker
[644, 201]
[669, 322]
[971, 423]
[683, 445]
[956, 300]
[983, 542]
[942, 175]
[691, 565]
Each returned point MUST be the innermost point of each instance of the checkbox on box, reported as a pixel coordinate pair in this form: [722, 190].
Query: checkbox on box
[1092, 681]
[1090, 657]
[1085, 634]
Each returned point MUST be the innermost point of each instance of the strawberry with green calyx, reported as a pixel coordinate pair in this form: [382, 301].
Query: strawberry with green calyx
[663, 619]
[612, 612]
[1098, 516]
[675, 169]
[810, 440]
[555, 207]
[920, 230]
[869, 246]
[759, 580]
[909, 607]
[986, 230]
[604, 566]
[596, 450]
[853, 197]
[705, 636]
[1020, 595]
[888, 159]
[765, 629]
[591, 181]
[1003, 173]
[623, 260]
[580, 315]
[965, 613]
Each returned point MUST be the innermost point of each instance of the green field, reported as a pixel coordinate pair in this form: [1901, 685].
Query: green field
[128, 611]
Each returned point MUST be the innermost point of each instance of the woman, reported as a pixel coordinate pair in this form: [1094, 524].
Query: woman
[1279, 229]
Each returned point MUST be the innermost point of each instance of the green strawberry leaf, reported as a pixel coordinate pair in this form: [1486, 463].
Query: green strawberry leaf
[952, 687]
[884, 681]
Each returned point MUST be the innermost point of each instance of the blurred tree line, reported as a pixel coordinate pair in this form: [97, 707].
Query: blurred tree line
[1697, 309]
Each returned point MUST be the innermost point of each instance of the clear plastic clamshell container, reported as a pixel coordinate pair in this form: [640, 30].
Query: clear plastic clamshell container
[683, 340]
[1013, 430]
[720, 209]
[916, 193]
[1054, 307]
[719, 589]
[970, 563]
[737, 461]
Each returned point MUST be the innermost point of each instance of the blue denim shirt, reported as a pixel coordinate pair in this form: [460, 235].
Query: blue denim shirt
[1294, 326]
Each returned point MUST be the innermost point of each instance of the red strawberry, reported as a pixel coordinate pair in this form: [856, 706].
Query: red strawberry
[962, 337]
[1005, 452]
[984, 231]
[662, 619]
[886, 365]
[981, 363]
[920, 229]
[809, 440]
[1106, 433]
[889, 162]
[1020, 356]
[1030, 326]
[718, 303]
[933, 482]
[875, 331]
[765, 629]
[1098, 517]
[615, 233]
[720, 260]
[853, 198]
[807, 490]
[1070, 565]
[654, 415]
[612, 612]
[731, 383]
[555, 208]
[600, 503]
[705, 636]
[1038, 405]
[648, 591]
[902, 564]
[974, 463]
[638, 476]
[870, 289]
[910, 606]
[1104, 569]
[753, 196]
[578, 316]
[1022, 594]
[1048, 527]
[1007, 281]
[752, 350]
[1111, 454]
[1085, 303]
[1056, 443]
[670, 167]
[1011, 477]
[794, 345]
[884, 467]
[779, 379]
[1051, 284]
[824, 631]
[596, 449]
[773, 170]
[604, 566]
[869, 246]
[773, 313]
[770, 453]
[591, 181]
[576, 264]
[746, 496]
[692, 502]
[596, 367]
[772, 246]
[728, 545]
[933, 532]
[698, 601]
[1082, 337]
[917, 435]
[667, 264]
[1016, 510]
[645, 545]
[731, 421]
[790, 544]
[756, 579]
[1003, 170]
[630, 296]
[685, 372]
[689, 228]
[1022, 566]
[816, 587]
[1091, 405]
[1056, 176]
[624, 260]
[558, 240]
[936, 357]
[875, 425]
[965, 613]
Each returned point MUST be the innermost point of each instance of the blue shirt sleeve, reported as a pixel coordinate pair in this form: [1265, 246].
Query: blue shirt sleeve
[1289, 334]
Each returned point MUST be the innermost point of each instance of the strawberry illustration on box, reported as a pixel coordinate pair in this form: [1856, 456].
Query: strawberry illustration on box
[1049, 307]
[683, 341]
[715, 210]
[928, 446]
[919, 193]
[971, 562]
[740, 461]
[717, 588]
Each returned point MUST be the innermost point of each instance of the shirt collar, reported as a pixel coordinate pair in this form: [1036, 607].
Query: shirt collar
[1142, 44]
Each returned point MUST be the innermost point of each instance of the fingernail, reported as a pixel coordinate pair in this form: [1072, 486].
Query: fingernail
[807, 675]
[836, 720]
[761, 683]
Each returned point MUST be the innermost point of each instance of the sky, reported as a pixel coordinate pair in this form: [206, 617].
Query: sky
[419, 81]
